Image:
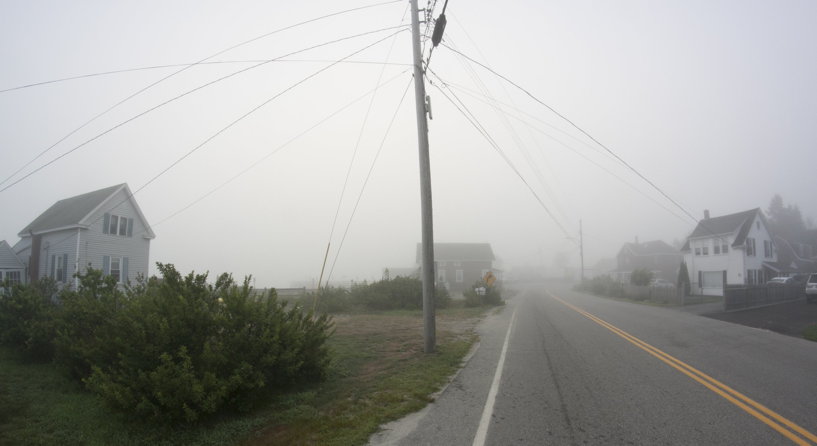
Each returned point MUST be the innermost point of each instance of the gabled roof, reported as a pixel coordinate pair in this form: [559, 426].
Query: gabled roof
[460, 252]
[76, 211]
[653, 248]
[787, 259]
[8, 258]
[739, 223]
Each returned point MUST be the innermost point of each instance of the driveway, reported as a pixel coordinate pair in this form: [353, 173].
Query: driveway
[789, 318]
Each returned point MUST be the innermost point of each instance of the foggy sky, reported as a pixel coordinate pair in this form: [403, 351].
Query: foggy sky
[713, 101]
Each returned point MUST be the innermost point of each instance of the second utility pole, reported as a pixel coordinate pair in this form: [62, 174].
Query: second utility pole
[429, 321]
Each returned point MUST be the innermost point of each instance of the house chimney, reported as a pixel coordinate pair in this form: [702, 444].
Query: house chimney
[706, 214]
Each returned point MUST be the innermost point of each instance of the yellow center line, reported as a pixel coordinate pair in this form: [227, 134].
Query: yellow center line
[759, 411]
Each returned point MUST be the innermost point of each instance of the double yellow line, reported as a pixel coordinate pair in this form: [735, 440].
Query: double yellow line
[774, 420]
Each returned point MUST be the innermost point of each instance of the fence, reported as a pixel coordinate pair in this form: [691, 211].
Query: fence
[663, 295]
[740, 297]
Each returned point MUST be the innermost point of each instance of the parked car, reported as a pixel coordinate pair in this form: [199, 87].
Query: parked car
[811, 288]
[780, 281]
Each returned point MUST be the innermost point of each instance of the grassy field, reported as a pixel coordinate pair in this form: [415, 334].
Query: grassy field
[379, 373]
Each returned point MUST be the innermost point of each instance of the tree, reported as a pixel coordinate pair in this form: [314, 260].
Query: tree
[640, 277]
[785, 220]
[683, 279]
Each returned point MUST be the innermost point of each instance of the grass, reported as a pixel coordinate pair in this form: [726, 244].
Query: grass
[379, 373]
[810, 333]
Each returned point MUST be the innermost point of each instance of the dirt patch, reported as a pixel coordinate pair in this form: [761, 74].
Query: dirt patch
[790, 318]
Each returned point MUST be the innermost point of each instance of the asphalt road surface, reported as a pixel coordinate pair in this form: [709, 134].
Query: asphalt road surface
[564, 368]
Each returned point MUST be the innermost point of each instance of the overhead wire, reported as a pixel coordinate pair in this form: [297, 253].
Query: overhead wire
[566, 146]
[366, 180]
[352, 162]
[277, 149]
[463, 109]
[187, 65]
[151, 85]
[581, 130]
[254, 109]
[520, 144]
[175, 98]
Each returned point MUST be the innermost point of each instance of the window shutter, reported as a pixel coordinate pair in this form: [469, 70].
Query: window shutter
[106, 222]
[130, 227]
[106, 265]
[124, 273]
[65, 267]
[53, 260]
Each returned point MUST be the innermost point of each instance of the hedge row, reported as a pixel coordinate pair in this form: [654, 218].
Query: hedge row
[173, 348]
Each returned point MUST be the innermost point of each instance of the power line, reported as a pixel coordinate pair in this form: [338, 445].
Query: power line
[189, 65]
[366, 181]
[139, 115]
[277, 149]
[616, 156]
[133, 193]
[463, 109]
[352, 162]
[142, 90]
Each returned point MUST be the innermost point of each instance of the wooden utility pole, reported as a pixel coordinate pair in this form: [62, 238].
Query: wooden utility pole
[581, 250]
[429, 321]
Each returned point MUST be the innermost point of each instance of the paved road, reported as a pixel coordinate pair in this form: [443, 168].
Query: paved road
[578, 370]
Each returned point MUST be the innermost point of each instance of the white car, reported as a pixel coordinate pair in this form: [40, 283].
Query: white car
[661, 283]
[811, 288]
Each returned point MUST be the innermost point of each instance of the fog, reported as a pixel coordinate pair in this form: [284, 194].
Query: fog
[712, 102]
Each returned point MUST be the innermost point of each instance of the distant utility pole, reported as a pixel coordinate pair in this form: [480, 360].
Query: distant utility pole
[581, 249]
[429, 321]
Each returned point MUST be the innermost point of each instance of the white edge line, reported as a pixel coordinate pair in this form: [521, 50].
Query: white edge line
[482, 431]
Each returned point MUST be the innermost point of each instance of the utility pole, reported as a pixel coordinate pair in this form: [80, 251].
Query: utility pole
[581, 250]
[429, 320]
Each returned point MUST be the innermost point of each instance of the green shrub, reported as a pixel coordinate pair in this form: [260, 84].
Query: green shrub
[27, 319]
[602, 286]
[640, 277]
[186, 349]
[87, 323]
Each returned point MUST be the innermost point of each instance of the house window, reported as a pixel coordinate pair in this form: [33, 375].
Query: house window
[116, 268]
[114, 225]
[767, 248]
[724, 246]
[751, 277]
[117, 225]
[716, 248]
[59, 267]
[459, 276]
[697, 251]
[13, 277]
[705, 250]
[750, 247]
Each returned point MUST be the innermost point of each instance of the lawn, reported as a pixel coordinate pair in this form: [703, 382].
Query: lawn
[379, 373]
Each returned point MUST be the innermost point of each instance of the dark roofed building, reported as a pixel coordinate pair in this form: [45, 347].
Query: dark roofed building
[655, 256]
[460, 265]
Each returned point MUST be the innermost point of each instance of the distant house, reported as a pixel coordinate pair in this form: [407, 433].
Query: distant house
[103, 229]
[792, 258]
[460, 265]
[655, 256]
[732, 249]
[12, 268]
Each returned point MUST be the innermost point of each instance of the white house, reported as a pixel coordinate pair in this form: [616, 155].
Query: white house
[732, 249]
[12, 268]
[103, 229]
